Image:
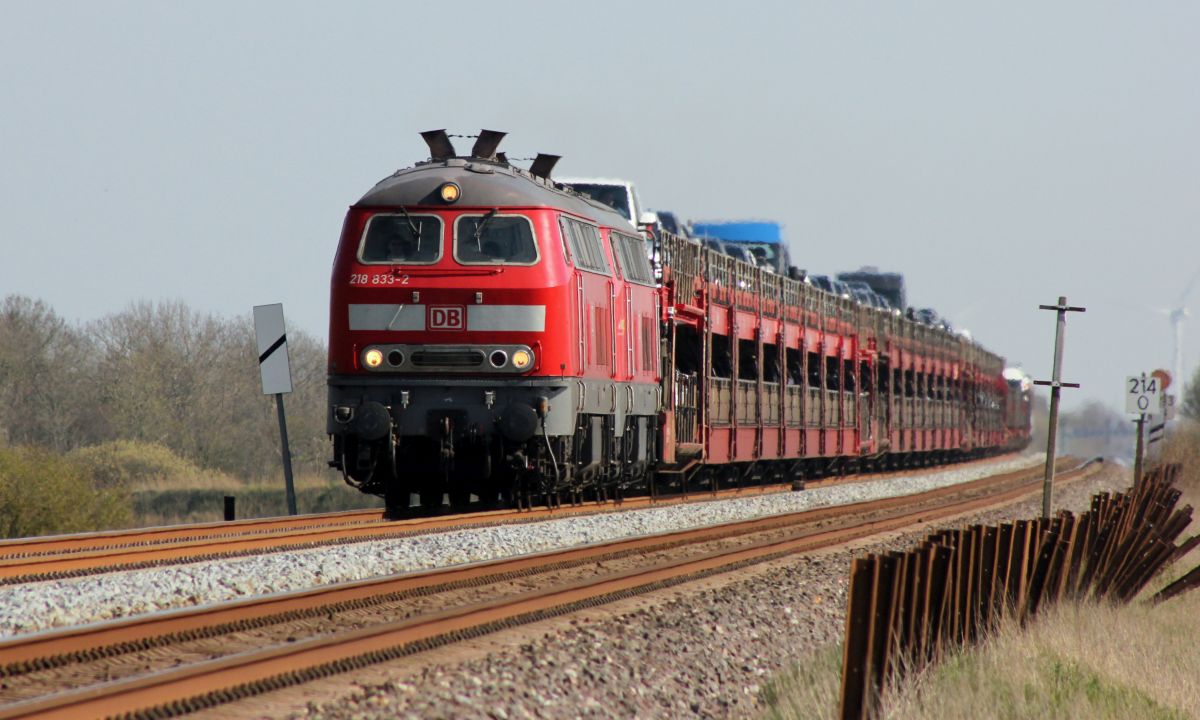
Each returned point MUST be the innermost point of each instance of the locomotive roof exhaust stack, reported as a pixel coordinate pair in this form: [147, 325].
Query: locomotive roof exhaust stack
[543, 164]
[440, 147]
[485, 146]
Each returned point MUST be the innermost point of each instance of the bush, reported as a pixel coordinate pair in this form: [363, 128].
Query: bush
[133, 465]
[42, 493]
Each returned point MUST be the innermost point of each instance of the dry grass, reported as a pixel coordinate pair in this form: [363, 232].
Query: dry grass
[1089, 661]
[1075, 661]
[811, 688]
[140, 467]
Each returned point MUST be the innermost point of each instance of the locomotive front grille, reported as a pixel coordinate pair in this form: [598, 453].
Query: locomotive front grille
[448, 358]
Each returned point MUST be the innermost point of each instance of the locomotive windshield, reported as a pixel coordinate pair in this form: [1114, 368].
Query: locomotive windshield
[494, 240]
[409, 239]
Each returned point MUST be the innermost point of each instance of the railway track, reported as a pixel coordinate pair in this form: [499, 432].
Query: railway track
[234, 650]
[49, 558]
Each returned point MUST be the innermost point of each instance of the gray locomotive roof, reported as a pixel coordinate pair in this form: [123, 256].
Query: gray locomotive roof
[484, 184]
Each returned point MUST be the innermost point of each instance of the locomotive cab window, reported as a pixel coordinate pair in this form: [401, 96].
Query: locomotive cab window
[586, 246]
[492, 239]
[401, 239]
[632, 258]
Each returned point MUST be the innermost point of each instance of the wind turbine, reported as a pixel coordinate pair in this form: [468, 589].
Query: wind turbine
[1177, 315]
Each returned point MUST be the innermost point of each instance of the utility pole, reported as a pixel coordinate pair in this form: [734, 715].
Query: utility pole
[1055, 384]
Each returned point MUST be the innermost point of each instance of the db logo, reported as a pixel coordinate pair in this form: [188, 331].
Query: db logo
[447, 317]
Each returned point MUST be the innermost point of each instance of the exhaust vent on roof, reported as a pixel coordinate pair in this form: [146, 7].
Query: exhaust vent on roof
[543, 164]
[485, 146]
[440, 147]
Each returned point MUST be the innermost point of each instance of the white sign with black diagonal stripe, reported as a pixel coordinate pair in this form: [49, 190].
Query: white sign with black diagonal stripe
[272, 349]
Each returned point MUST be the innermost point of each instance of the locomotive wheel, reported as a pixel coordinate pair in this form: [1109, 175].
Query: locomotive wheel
[460, 496]
[396, 502]
[431, 495]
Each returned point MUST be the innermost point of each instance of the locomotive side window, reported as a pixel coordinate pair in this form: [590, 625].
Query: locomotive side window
[401, 239]
[586, 246]
[632, 258]
[492, 239]
[564, 228]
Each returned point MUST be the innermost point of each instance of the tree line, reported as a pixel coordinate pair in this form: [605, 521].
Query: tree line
[160, 373]
[166, 374]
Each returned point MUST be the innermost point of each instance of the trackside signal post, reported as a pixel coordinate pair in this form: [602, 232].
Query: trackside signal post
[276, 371]
[1055, 384]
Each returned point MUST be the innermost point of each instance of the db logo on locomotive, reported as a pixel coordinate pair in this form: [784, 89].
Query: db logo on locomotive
[447, 317]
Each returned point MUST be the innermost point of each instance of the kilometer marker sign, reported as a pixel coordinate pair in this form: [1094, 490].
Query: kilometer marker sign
[1142, 394]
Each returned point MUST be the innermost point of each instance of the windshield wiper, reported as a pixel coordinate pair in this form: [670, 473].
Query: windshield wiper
[479, 228]
[413, 228]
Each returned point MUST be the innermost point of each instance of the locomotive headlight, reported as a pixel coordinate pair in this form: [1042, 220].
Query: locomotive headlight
[450, 192]
[522, 359]
[373, 358]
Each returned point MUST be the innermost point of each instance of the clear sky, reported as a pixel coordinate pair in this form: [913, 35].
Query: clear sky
[997, 156]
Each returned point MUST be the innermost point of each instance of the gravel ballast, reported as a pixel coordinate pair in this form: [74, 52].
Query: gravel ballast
[41, 605]
[707, 652]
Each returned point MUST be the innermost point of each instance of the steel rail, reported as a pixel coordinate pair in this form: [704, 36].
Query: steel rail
[249, 673]
[177, 546]
[21, 651]
[77, 542]
[135, 556]
[13, 552]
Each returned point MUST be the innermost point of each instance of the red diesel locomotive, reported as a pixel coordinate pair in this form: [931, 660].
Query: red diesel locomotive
[493, 333]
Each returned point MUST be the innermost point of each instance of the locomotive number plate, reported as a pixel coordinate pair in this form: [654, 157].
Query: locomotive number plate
[447, 317]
